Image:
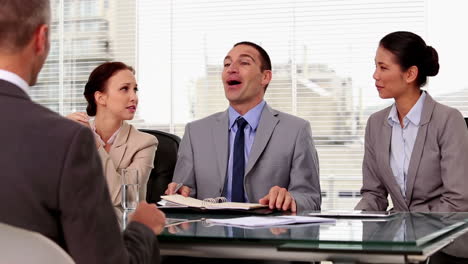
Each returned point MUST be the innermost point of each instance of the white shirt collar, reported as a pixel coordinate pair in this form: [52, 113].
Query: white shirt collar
[414, 115]
[14, 79]
[111, 139]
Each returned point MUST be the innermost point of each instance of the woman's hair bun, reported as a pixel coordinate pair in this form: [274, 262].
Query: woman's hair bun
[431, 61]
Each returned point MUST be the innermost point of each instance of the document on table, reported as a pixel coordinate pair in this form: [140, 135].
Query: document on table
[258, 221]
[167, 204]
[178, 221]
[352, 214]
[210, 204]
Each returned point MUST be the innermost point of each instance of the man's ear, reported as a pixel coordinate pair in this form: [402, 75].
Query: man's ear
[411, 74]
[266, 78]
[41, 39]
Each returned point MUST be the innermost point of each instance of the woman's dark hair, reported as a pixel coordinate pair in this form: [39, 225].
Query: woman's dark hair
[411, 50]
[97, 82]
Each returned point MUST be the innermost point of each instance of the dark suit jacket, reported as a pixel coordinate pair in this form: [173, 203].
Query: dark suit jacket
[52, 183]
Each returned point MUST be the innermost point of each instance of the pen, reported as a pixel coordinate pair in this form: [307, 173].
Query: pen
[177, 187]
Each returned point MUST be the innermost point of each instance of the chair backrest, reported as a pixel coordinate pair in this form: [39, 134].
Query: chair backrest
[466, 120]
[164, 164]
[19, 245]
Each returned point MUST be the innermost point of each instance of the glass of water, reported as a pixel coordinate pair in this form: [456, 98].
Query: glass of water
[130, 188]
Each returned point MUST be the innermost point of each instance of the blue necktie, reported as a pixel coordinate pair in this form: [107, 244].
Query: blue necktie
[238, 163]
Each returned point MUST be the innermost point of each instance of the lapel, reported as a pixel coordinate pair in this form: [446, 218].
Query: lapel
[266, 126]
[220, 135]
[418, 148]
[120, 145]
[383, 160]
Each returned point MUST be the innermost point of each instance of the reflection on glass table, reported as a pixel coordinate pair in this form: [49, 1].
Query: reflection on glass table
[406, 237]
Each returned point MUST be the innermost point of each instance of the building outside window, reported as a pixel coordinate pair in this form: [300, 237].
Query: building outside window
[322, 54]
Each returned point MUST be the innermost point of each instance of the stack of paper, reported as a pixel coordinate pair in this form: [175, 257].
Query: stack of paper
[258, 221]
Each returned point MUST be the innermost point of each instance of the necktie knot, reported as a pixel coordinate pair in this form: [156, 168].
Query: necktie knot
[241, 123]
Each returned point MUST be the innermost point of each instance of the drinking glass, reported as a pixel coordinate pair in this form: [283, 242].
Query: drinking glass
[130, 188]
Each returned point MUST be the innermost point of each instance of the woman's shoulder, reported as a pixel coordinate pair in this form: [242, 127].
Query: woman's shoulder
[446, 116]
[380, 115]
[136, 135]
[444, 110]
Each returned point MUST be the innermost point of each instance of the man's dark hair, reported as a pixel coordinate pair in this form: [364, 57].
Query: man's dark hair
[264, 57]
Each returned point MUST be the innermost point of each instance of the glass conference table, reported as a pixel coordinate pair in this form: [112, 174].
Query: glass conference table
[402, 238]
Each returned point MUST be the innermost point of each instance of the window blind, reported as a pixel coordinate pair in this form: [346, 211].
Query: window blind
[322, 54]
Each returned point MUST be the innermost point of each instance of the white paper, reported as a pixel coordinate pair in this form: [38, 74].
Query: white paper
[262, 221]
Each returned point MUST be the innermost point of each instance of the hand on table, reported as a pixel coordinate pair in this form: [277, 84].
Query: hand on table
[280, 199]
[149, 215]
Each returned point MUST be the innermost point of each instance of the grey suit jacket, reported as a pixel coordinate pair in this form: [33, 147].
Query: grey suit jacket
[437, 178]
[52, 183]
[283, 154]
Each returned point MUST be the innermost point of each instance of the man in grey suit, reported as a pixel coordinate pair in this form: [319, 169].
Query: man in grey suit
[271, 159]
[52, 179]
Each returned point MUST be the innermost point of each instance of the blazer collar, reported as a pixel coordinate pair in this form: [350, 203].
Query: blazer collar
[427, 110]
[384, 164]
[418, 148]
[10, 89]
[220, 135]
[383, 161]
[120, 144]
[266, 126]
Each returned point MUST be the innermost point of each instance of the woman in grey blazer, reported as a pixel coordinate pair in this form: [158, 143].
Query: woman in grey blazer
[417, 149]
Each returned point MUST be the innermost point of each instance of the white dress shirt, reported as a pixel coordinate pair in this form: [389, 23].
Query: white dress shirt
[98, 137]
[403, 139]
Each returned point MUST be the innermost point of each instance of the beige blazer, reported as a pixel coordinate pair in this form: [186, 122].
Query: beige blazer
[437, 178]
[131, 149]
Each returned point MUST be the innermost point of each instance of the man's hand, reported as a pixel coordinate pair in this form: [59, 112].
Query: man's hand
[280, 199]
[171, 189]
[149, 215]
[178, 228]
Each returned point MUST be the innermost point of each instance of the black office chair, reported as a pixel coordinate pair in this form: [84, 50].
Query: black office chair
[466, 120]
[164, 164]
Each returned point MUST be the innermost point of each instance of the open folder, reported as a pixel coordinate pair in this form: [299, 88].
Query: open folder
[210, 204]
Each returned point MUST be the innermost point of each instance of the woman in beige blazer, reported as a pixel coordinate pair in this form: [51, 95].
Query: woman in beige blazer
[417, 149]
[111, 93]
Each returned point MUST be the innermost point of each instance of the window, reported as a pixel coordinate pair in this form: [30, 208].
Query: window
[349, 194]
[88, 8]
[322, 54]
[345, 194]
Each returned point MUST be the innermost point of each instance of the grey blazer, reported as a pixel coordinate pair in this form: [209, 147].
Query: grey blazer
[437, 178]
[52, 183]
[283, 154]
